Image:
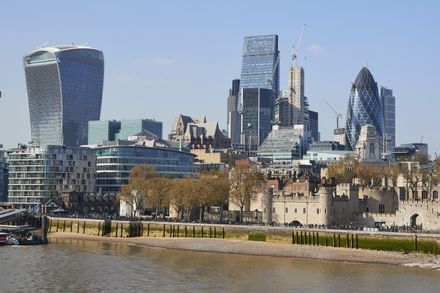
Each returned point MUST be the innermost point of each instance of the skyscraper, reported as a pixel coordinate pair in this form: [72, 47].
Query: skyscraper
[64, 87]
[261, 61]
[296, 95]
[233, 118]
[389, 117]
[364, 107]
[256, 117]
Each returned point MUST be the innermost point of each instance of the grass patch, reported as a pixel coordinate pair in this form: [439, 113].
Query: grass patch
[257, 236]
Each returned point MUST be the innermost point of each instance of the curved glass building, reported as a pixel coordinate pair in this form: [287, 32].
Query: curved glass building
[64, 87]
[114, 164]
[364, 107]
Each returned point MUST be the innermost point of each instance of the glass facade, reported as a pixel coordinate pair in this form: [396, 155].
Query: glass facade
[37, 173]
[64, 86]
[283, 144]
[103, 130]
[260, 65]
[389, 117]
[256, 116]
[134, 126]
[114, 164]
[364, 107]
[233, 118]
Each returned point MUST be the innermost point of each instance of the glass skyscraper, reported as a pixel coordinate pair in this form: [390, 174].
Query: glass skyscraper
[256, 117]
[364, 107]
[260, 65]
[389, 117]
[64, 87]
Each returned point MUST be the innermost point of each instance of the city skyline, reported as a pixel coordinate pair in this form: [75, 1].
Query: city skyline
[152, 68]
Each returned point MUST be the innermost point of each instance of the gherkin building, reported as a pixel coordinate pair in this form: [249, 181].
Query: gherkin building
[363, 107]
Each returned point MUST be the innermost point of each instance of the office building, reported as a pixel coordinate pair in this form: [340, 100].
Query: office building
[314, 125]
[233, 118]
[364, 107]
[256, 116]
[37, 173]
[103, 130]
[64, 88]
[296, 95]
[112, 129]
[133, 126]
[260, 65]
[388, 102]
[116, 159]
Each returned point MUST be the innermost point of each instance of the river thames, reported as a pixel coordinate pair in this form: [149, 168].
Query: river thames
[87, 266]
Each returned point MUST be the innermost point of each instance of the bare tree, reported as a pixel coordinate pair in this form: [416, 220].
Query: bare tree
[135, 193]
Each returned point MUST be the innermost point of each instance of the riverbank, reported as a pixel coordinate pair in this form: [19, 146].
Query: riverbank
[244, 247]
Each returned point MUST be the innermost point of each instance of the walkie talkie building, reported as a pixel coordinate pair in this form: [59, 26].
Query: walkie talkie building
[364, 107]
[64, 87]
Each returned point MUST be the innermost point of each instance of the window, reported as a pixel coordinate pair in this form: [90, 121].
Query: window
[381, 208]
[435, 194]
[273, 210]
[304, 210]
[296, 210]
[317, 211]
[287, 210]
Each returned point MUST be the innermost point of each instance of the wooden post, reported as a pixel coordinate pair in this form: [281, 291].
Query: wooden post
[194, 231]
[326, 244]
[58, 222]
[117, 226]
[77, 227]
[347, 243]
[334, 240]
[297, 240]
[171, 231]
[313, 238]
[99, 227]
[50, 226]
[84, 227]
[210, 232]
[202, 231]
[215, 232]
[357, 242]
[186, 231]
[223, 234]
[317, 238]
[301, 239]
[122, 229]
[415, 242]
[64, 226]
[163, 230]
[293, 237]
[178, 230]
[352, 241]
[71, 226]
[148, 229]
[142, 229]
[310, 238]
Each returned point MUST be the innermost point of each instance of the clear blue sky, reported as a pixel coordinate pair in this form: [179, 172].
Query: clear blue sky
[163, 57]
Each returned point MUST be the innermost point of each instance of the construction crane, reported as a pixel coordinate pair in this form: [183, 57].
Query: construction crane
[338, 115]
[296, 46]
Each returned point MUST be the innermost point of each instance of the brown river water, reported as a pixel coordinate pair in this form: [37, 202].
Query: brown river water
[87, 266]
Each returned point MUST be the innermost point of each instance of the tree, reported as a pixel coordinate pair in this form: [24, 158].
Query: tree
[245, 182]
[344, 170]
[159, 189]
[135, 193]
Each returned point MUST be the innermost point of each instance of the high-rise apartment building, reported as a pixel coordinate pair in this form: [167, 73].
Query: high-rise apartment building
[64, 87]
[388, 102]
[296, 95]
[260, 65]
[256, 118]
[364, 107]
[233, 118]
[3, 176]
[37, 173]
